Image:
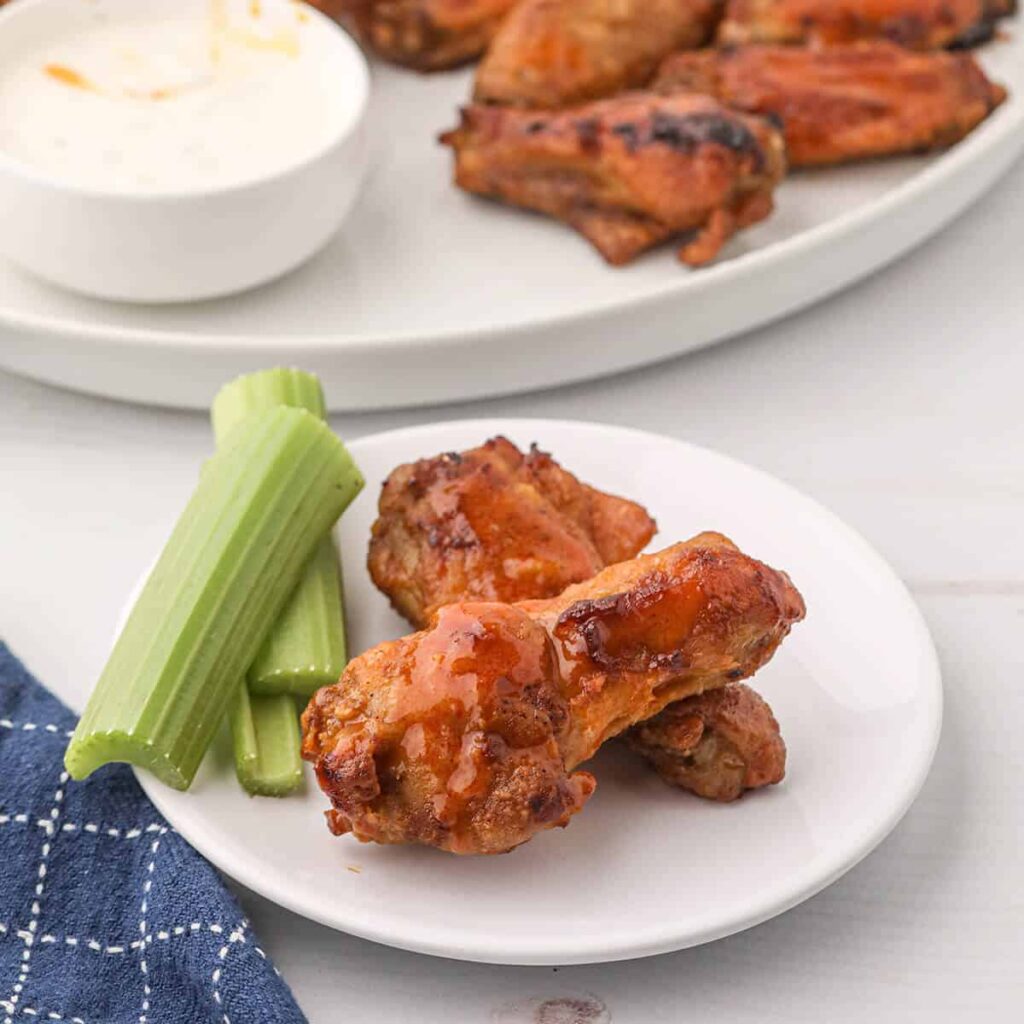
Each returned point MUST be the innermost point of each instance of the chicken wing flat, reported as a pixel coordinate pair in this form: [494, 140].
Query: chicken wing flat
[557, 53]
[467, 736]
[717, 745]
[918, 24]
[627, 173]
[428, 35]
[494, 524]
[844, 103]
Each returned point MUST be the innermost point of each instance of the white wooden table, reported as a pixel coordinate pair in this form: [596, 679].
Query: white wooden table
[900, 405]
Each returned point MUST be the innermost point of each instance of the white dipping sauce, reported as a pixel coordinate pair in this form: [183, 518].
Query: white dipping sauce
[175, 104]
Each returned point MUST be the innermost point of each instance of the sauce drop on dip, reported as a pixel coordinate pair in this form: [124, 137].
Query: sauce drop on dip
[174, 103]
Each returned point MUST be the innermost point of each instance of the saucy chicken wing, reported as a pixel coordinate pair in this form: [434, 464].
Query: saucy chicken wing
[844, 103]
[918, 24]
[556, 53]
[627, 173]
[428, 35]
[467, 736]
[494, 524]
[717, 745]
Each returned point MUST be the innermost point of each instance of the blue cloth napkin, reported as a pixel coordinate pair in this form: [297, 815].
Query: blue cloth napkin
[107, 916]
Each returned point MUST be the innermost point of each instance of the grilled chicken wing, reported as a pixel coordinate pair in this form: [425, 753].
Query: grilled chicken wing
[428, 35]
[627, 173]
[918, 24]
[844, 103]
[717, 745]
[467, 736]
[494, 524]
[556, 53]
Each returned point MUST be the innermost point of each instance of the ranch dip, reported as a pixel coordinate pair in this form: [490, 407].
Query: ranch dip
[176, 101]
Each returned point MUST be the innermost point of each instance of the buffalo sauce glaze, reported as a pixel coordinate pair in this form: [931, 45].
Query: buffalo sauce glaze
[478, 698]
[523, 547]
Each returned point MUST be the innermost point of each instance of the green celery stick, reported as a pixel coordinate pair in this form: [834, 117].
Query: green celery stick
[306, 648]
[264, 501]
[265, 734]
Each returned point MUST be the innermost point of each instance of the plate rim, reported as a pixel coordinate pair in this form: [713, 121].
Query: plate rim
[812, 878]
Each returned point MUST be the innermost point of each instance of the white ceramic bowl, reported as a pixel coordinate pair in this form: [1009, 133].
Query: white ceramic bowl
[173, 246]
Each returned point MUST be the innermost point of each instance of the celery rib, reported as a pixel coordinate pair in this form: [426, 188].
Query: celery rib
[263, 503]
[306, 648]
[267, 744]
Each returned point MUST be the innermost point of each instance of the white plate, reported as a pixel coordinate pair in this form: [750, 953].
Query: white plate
[430, 295]
[645, 868]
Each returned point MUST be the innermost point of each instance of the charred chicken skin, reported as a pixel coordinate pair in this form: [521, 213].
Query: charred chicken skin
[844, 103]
[428, 35]
[917, 24]
[556, 53]
[494, 524]
[717, 745]
[467, 736]
[628, 173]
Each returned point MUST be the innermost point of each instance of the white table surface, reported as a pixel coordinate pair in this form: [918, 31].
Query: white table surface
[898, 404]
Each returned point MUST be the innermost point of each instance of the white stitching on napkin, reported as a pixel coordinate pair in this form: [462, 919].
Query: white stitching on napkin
[147, 885]
[6, 723]
[29, 937]
[237, 935]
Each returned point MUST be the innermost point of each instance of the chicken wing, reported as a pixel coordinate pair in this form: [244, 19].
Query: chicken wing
[918, 24]
[467, 736]
[627, 173]
[428, 35]
[556, 53]
[844, 103]
[717, 745]
[494, 524]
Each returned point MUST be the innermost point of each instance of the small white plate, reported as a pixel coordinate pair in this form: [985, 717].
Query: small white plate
[430, 295]
[645, 868]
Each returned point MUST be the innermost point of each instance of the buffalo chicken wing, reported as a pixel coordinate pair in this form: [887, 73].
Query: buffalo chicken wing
[556, 53]
[717, 745]
[494, 524]
[428, 35]
[844, 103]
[918, 24]
[468, 736]
[627, 173]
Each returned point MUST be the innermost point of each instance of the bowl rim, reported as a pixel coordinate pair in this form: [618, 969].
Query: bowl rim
[349, 123]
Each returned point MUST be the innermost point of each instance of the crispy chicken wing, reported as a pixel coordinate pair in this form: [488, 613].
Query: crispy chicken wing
[494, 524]
[844, 103]
[556, 53]
[919, 24]
[428, 35]
[627, 173]
[467, 736]
[717, 745]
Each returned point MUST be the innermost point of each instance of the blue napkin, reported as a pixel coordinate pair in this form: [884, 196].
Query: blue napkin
[107, 916]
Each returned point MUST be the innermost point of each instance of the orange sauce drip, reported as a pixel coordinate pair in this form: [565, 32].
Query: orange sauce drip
[68, 76]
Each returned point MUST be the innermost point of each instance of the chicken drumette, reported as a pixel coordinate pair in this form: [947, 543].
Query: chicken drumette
[467, 736]
[555, 53]
[428, 35]
[919, 24]
[494, 524]
[844, 103]
[717, 745]
[628, 173]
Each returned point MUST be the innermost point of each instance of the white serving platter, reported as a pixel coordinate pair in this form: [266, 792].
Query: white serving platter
[644, 868]
[429, 295]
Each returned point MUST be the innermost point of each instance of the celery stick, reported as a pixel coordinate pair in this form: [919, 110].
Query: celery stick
[306, 648]
[265, 733]
[263, 502]
[258, 392]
